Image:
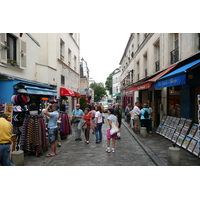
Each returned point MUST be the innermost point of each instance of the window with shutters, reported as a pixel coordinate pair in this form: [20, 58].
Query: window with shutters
[12, 51]
[23, 54]
[3, 52]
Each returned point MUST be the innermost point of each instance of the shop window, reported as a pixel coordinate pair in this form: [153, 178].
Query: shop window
[12, 51]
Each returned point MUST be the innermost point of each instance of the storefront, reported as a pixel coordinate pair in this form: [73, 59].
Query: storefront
[182, 86]
[24, 101]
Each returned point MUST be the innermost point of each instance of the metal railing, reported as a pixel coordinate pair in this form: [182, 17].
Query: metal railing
[157, 66]
[174, 55]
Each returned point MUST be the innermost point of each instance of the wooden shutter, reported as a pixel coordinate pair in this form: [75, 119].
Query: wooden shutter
[23, 58]
[3, 53]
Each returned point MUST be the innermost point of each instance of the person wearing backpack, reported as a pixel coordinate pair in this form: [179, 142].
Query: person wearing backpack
[145, 117]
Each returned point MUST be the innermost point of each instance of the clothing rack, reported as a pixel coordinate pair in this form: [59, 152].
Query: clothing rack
[33, 134]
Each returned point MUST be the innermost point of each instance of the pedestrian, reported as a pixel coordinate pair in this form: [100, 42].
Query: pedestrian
[78, 113]
[111, 118]
[102, 107]
[92, 113]
[127, 112]
[52, 127]
[118, 114]
[89, 106]
[5, 140]
[145, 117]
[137, 113]
[88, 118]
[99, 121]
[150, 122]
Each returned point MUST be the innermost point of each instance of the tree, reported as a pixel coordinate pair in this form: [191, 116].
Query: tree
[109, 82]
[99, 91]
[83, 103]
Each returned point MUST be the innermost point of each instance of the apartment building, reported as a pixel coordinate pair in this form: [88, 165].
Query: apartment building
[45, 64]
[116, 85]
[147, 59]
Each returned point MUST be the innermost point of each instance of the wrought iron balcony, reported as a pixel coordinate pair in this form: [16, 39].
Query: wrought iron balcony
[157, 66]
[174, 55]
[61, 57]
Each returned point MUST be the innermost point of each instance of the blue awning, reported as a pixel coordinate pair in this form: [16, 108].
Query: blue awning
[181, 70]
[39, 90]
[177, 77]
[169, 82]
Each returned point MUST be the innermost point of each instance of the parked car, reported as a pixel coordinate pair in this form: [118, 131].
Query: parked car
[105, 105]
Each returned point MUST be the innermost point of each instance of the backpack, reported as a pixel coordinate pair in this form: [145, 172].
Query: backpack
[146, 114]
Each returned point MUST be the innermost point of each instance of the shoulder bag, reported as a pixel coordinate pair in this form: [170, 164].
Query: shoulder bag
[114, 128]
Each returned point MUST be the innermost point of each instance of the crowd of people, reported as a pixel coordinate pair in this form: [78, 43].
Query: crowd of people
[137, 116]
[89, 120]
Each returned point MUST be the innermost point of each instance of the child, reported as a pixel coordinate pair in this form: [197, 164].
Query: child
[111, 118]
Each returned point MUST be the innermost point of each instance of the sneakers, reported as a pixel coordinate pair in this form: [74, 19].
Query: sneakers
[87, 142]
[59, 145]
[108, 150]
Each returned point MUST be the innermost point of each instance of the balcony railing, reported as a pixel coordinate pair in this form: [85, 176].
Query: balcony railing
[61, 57]
[157, 66]
[174, 55]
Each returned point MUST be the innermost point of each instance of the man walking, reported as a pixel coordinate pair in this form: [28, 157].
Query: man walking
[78, 113]
[52, 127]
[5, 140]
[137, 113]
[118, 114]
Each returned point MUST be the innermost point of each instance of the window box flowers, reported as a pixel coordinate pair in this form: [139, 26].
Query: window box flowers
[12, 62]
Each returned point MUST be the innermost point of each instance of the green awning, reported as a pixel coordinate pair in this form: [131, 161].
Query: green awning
[117, 95]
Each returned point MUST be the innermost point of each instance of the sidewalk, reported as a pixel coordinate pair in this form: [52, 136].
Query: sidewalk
[157, 146]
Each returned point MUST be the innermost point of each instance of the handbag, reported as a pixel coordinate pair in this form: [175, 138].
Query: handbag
[73, 119]
[114, 129]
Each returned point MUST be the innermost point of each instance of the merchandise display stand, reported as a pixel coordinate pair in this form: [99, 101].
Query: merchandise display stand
[181, 131]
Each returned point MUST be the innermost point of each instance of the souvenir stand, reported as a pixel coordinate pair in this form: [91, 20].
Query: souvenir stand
[181, 131]
[65, 126]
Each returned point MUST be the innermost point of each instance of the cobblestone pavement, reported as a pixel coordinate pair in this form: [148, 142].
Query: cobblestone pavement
[158, 147]
[78, 153]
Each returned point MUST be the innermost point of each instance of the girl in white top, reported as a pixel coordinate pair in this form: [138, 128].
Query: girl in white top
[99, 119]
[111, 118]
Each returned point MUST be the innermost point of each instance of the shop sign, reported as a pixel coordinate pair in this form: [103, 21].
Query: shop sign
[177, 80]
[143, 86]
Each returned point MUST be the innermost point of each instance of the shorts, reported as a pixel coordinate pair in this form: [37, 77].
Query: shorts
[109, 136]
[52, 134]
[136, 120]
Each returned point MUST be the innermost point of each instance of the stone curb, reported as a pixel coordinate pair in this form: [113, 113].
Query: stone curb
[149, 152]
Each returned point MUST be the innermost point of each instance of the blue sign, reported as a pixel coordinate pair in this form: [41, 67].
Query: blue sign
[176, 80]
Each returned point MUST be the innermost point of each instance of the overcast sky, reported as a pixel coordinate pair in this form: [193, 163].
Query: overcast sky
[102, 52]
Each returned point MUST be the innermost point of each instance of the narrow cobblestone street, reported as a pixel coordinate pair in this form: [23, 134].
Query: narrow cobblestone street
[78, 153]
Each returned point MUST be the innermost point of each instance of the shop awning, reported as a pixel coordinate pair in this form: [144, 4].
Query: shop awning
[177, 77]
[66, 92]
[77, 94]
[117, 95]
[181, 70]
[39, 90]
[155, 78]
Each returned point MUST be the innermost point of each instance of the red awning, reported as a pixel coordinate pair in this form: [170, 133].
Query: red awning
[76, 94]
[66, 92]
[143, 86]
[155, 78]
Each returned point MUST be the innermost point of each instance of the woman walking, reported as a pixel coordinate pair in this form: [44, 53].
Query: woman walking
[92, 113]
[88, 118]
[99, 121]
[127, 111]
[111, 118]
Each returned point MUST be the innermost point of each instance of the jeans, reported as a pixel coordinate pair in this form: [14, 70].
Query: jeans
[98, 132]
[77, 131]
[5, 155]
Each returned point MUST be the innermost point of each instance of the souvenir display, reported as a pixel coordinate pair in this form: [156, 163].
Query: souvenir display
[186, 142]
[180, 140]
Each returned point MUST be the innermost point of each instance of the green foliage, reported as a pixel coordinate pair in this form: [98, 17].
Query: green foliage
[109, 82]
[99, 91]
[83, 103]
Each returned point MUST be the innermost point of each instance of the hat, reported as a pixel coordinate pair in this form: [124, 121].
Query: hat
[22, 91]
[13, 99]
